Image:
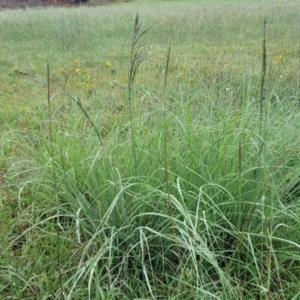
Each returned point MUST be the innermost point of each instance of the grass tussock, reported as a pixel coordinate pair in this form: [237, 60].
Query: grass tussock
[175, 176]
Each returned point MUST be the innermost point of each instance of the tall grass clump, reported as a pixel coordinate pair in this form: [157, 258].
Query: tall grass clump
[173, 177]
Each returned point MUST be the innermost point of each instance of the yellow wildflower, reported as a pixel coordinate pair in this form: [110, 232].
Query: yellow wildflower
[160, 57]
[76, 61]
[108, 64]
[77, 71]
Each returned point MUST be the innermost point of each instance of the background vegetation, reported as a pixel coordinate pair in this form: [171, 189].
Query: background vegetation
[187, 189]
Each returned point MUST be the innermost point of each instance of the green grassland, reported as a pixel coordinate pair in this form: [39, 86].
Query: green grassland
[179, 181]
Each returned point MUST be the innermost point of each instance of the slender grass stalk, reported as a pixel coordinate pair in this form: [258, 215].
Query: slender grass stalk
[262, 92]
[260, 148]
[165, 156]
[54, 182]
[165, 127]
[20, 230]
[167, 72]
[239, 202]
[84, 111]
[240, 161]
[49, 107]
[265, 229]
[136, 58]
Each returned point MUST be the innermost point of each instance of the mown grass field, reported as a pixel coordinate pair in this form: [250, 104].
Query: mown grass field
[181, 182]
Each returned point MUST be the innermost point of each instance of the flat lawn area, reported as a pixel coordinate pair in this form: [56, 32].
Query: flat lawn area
[150, 157]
